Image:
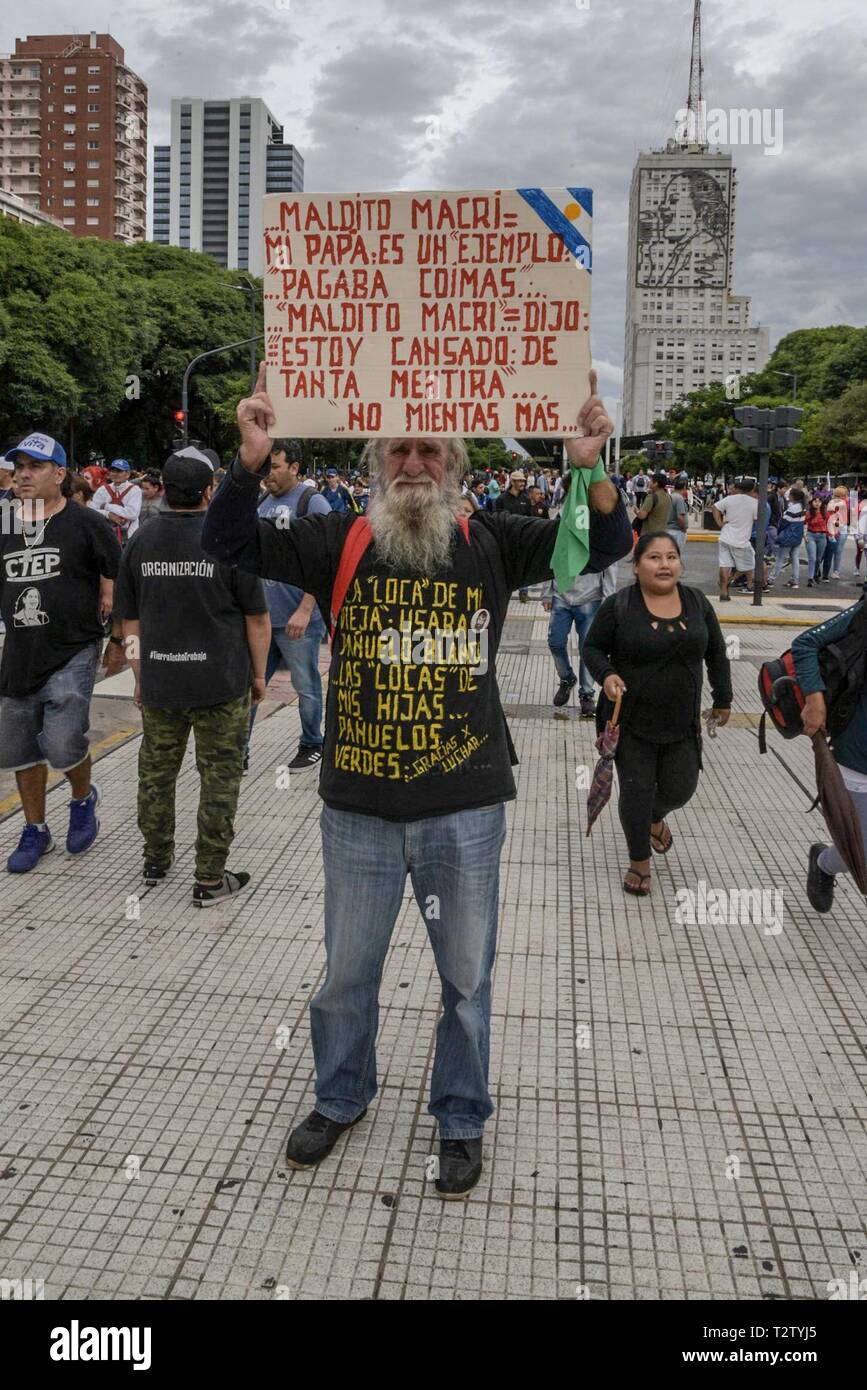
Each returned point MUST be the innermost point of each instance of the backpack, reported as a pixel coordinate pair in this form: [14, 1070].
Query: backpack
[304, 501]
[843, 666]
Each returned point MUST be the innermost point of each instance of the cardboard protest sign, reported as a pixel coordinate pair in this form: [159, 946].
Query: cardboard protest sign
[464, 313]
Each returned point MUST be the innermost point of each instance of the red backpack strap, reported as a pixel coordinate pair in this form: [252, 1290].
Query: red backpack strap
[357, 541]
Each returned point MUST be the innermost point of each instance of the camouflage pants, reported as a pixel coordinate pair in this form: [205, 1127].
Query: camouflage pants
[221, 734]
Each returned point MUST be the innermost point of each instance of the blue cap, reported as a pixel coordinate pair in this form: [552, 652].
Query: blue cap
[120, 464]
[40, 446]
[331, 473]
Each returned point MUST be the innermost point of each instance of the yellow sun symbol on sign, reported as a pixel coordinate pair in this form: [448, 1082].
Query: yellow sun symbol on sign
[572, 210]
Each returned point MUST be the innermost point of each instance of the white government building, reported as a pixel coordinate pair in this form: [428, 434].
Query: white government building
[684, 326]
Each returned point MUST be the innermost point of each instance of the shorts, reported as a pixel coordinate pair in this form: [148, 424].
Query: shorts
[51, 725]
[737, 557]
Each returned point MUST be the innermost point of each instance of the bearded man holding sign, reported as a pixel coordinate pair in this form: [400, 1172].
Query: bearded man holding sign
[417, 762]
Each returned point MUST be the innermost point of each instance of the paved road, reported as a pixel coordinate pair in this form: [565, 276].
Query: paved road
[680, 1101]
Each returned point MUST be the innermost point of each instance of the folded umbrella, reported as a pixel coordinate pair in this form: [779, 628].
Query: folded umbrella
[603, 776]
[840, 815]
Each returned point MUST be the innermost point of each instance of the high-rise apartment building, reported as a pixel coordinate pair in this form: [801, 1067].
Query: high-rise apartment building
[209, 183]
[684, 327]
[73, 133]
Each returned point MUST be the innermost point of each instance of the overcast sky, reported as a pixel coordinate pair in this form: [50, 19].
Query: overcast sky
[546, 93]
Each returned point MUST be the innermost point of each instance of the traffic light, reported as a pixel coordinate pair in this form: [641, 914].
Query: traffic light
[178, 417]
[767, 429]
[656, 450]
[783, 436]
[753, 421]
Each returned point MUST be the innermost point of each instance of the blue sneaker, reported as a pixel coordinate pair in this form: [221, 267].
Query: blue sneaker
[31, 847]
[83, 822]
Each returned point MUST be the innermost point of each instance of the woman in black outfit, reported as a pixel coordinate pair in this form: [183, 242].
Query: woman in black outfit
[648, 642]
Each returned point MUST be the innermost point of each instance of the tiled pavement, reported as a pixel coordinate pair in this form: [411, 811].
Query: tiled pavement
[680, 1109]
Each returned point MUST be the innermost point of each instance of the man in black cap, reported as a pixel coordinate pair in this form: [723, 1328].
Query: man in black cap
[197, 636]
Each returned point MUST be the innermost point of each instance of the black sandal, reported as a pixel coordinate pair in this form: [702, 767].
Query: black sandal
[640, 891]
[662, 840]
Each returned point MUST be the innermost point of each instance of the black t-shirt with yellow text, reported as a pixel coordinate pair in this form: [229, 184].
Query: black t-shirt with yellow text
[414, 726]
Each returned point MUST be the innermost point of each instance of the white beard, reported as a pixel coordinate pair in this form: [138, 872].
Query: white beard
[413, 524]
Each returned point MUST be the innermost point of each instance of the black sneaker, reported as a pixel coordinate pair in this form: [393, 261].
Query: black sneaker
[245, 766]
[305, 757]
[314, 1138]
[566, 687]
[460, 1167]
[588, 707]
[820, 886]
[155, 873]
[206, 894]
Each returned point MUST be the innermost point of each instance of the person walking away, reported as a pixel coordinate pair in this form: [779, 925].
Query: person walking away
[816, 536]
[656, 511]
[119, 500]
[297, 626]
[196, 633]
[515, 501]
[337, 494]
[735, 515]
[57, 569]
[647, 644]
[842, 714]
[416, 779]
[679, 519]
[640, 488]
[789, 538]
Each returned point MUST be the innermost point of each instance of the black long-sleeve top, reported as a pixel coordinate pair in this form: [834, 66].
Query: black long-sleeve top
[660, 662]
[410, 737]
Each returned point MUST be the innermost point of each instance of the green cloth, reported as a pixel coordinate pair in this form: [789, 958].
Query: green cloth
[572, 547]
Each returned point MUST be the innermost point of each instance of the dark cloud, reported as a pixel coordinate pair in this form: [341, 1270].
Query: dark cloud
[548, 93]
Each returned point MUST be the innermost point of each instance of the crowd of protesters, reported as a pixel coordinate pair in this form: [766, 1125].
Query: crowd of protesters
[207, 579]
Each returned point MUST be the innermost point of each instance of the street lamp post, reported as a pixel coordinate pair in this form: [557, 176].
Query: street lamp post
[792, 376]
[250, 289]
[185, 385]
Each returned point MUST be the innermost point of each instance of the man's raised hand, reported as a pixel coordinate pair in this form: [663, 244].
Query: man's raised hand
[255, 415]
[595, 421]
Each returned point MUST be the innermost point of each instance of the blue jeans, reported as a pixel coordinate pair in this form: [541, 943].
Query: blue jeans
[563, 615]
[794, 551]
[816, 543]
[454, 864]
[834, 553]
[300, 656]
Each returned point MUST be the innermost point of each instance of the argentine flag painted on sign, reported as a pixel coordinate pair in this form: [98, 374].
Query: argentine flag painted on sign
[569, 213]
